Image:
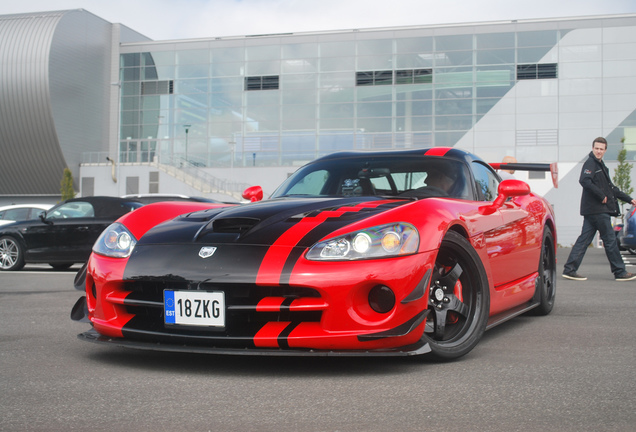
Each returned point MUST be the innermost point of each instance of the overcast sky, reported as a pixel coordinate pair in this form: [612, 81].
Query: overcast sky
[185, 19]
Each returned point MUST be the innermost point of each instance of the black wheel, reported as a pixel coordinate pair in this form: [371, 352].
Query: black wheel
[458, 300]
[61, 266]
[546, 284]
[11, 254]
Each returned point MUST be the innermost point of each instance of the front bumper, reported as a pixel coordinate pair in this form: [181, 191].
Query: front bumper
[321, 310]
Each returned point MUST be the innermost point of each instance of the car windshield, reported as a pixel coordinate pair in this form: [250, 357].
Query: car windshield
[396, 176]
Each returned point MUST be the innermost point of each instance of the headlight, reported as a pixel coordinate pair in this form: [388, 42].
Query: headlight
[116, 241]
[377, 242]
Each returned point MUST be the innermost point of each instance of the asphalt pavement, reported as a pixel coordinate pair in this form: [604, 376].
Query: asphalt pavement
[573, 370]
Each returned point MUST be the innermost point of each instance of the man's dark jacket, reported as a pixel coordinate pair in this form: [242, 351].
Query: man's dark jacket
[597, 185]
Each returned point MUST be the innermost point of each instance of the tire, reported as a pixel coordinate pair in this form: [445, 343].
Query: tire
[546, 285]
[11, 254]
[459, 300]
[61, 266]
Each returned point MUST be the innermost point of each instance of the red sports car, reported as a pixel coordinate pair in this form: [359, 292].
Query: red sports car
[382, 253]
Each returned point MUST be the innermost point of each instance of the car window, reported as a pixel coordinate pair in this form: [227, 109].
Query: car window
[311, 184]
[405, 176]
[486, 181]
[75, 209]
[18, 214]
[35, 213]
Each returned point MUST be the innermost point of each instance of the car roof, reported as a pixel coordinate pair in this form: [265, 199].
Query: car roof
[18, 206]
[445, 152]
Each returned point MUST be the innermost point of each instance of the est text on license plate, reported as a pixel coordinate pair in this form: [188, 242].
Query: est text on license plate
[197, 308]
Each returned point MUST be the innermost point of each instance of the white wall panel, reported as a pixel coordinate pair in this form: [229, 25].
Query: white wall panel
[580, 70]
[580, 53]
[583, 103]
[534, 105]
[537, 121]
[581, 86]
[580, 119]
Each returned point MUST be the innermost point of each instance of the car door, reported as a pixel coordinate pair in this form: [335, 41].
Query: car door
[511, 245]
[65, 235]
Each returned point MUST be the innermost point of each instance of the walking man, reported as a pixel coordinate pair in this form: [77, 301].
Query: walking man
[598, 204]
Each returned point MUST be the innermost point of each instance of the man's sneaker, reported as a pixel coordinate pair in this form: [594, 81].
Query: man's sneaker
[577, 277]
[626, 277]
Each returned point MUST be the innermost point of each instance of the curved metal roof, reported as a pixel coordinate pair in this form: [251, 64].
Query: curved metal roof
[54, 90]
[28, 140]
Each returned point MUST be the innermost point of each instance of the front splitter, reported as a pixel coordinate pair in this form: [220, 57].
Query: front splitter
[411, 350]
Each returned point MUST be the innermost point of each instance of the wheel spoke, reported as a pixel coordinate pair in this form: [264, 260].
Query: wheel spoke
[456, 305]
[439, 324]
[450, 278]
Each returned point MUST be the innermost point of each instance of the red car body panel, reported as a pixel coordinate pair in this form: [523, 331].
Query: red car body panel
[507, 237]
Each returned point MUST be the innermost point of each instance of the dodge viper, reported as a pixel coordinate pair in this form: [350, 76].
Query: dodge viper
[356, 253]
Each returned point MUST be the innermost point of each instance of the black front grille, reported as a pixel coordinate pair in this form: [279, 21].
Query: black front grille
[243, 320]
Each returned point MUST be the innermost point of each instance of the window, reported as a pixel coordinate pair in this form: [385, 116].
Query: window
[373, 78]
[132, 185]
[486, 182]
[402, 76]
[153, 182]
[157, 87]
[75, 209]
[19, 214]
[414, 76]
[537, 71]
[269, 82]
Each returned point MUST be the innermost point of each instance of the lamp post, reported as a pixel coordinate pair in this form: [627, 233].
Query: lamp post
[187, 129]
[232, 146]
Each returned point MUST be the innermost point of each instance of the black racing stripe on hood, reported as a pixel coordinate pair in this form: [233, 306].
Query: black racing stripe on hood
[168, 263]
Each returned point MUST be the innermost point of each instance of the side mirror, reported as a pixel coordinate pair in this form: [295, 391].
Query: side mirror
[511, 188]
[507, 188]
[43, 218]
[253, 193]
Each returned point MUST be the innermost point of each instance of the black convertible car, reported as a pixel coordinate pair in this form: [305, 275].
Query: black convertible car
[63, 235]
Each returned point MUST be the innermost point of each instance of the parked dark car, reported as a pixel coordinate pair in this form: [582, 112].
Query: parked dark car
[627, 235]
[63, 235]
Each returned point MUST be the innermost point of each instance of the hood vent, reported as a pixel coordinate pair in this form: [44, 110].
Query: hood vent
[233, 225]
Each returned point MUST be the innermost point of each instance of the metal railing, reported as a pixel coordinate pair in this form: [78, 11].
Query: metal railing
[188, 171]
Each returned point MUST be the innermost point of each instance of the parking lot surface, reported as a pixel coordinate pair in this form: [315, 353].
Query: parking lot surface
[572, 370]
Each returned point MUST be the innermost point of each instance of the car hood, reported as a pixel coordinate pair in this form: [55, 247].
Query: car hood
[264, 223]
[231, 243]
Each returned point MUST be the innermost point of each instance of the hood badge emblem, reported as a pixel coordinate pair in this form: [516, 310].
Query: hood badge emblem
[207, 251]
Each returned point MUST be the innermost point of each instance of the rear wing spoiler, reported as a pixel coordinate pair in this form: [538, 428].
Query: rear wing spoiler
[552, 167]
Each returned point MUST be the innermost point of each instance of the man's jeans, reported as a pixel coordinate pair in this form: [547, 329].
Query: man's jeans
[592, 223]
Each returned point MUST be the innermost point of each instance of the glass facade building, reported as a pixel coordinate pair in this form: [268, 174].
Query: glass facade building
[530, 89]
[282, 99]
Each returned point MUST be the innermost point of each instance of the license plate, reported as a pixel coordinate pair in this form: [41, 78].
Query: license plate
[195, 308]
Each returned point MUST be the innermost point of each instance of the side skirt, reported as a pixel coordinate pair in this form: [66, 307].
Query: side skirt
[495, 320]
